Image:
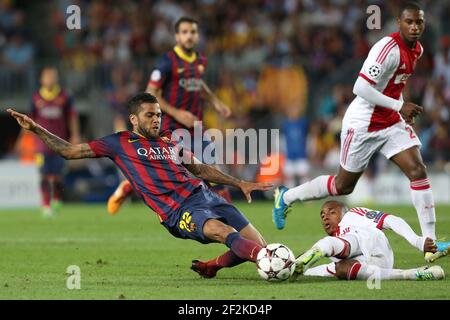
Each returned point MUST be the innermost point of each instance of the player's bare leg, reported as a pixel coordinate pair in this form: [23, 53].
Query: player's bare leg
[351, 269]
[323, 186]
[116, 200]
[230, 258]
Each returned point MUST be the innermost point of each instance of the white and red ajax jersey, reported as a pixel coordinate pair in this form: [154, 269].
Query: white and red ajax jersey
[389, 64]
[360, 218]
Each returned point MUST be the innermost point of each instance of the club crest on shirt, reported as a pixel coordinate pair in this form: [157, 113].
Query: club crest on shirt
[201, 68]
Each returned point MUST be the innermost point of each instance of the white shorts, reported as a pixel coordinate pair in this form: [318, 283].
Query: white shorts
[298, 167]
[358, 145]
[374, 247]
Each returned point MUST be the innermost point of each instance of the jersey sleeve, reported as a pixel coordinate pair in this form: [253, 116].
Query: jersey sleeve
[383, 58]
[161, 72]
[102, 147]
[376, 217]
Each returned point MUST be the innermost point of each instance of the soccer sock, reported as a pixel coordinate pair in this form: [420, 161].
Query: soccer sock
[333, 247]
[324, 270]
[363, 271]
[127, 188]
[45, 191]
[318, 188]
[227, 260]
[422, 198]
[243, 248]
[57, 190]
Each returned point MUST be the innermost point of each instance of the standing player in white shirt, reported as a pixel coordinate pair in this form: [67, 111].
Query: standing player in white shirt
[360, 250]
[378, 120]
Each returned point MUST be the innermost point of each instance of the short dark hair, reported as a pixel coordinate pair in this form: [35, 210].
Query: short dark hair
[340, 204]
[409, 5]
[184, 19]
[135, 102]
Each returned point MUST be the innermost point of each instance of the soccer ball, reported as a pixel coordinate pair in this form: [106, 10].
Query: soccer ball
[275, 262]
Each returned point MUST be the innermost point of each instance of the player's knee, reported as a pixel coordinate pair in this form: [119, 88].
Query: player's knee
[417, 171]
[217, 230]
[342, 269]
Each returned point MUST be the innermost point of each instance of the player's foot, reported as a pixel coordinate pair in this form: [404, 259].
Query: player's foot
[443, 249]
[307, 260]
[280, 208]
[47, 212]
[116, 200]
[203, 269]
[429, 273]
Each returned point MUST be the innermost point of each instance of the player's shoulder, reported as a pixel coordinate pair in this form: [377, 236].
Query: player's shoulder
[386, 44]
[360, 210]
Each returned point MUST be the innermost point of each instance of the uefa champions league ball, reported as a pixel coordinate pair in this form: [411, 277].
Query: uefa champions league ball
[275, 262]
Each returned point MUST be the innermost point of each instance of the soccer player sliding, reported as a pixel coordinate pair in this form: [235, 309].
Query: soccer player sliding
[159, 175]
[379, 120]
[360, 250]
[177, 81]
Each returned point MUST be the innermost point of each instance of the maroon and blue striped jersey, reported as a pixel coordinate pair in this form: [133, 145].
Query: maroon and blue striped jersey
[179, 78]
[53, 113]
[153, 167]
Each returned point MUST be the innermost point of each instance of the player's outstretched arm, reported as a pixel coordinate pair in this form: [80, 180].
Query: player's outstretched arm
[402, 228]
[55, 143]
[210, 173]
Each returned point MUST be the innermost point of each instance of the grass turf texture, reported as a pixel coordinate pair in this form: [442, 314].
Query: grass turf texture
[130, 256]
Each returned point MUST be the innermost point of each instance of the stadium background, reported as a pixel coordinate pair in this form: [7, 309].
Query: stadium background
[256, 49]
[264, 57]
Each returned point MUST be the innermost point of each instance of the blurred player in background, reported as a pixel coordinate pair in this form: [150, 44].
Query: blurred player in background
[158, 172]
[53, 107]
[378, 120]
[295, 131]
[177, 82]
[360, 250]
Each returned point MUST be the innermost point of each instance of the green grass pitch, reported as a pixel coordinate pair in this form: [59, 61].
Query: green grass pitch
[130, 256]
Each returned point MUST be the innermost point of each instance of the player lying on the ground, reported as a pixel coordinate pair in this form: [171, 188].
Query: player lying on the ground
[359, 248]
[378, 120]
[157, 172]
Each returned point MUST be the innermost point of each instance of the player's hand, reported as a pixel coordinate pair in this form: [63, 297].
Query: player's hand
[248, 187]
[409, 111]
[23, 120]
[429, 246]
[186, 118]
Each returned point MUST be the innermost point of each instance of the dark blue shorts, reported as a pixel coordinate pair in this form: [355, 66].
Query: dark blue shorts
[187, 222]
[53, 164]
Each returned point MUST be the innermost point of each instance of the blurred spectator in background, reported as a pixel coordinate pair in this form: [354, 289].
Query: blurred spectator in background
[295, 131]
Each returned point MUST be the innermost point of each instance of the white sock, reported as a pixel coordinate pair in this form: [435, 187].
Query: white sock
[318, 188]
[365, 271]
[332, 246]
[324, 270]
[422, 198]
